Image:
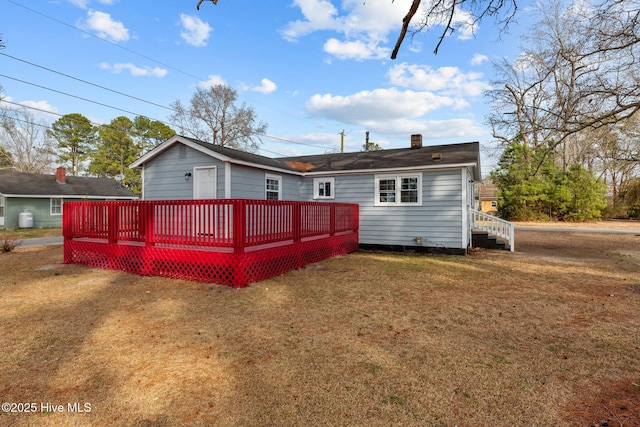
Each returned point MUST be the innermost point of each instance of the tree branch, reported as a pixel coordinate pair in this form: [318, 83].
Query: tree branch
[405, 24]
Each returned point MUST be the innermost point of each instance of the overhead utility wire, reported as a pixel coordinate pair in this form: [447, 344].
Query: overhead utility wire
[115, 91]
[120, 109]
[294, 142]
[87, 82]
[100, 124]
[41, 110]
[200, 79]
[75, 96]
[105, 40]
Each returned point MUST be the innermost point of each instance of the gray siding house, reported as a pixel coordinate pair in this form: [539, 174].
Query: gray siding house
[416, 198]
[44, 195]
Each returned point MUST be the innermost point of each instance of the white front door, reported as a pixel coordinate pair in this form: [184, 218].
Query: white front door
[204, 183]
[1, 211]
[204, 187]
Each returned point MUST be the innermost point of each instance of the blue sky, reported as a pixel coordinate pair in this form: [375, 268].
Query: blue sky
[310, 68]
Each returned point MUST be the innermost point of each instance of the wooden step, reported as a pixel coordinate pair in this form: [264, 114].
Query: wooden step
[482, 239]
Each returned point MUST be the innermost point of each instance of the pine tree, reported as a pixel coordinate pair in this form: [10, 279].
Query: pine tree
[116, 150]
[76, 136]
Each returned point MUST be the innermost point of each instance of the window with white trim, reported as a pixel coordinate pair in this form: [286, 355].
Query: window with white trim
[273, 187]
[323, 188]
[56, 207]
[393, 190]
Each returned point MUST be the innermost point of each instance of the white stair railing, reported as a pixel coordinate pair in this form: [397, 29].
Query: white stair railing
[492, 225]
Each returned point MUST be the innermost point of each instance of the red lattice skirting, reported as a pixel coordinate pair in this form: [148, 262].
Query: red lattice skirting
[209, 266]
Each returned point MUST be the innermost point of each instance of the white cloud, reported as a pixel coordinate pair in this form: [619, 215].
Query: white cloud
[37, 109]
[358, 49]
[134, 69]
[214, 80]
[430, 129]
[376, 105]
[106, 27]
[40, 105]
[479, 59]
[319, 15]
[448, 80]
[364, 26]
[82, 4]
[266, 87]
[195, 31]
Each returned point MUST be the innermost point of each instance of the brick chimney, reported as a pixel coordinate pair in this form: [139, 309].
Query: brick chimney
[416, 141]
[61, 175]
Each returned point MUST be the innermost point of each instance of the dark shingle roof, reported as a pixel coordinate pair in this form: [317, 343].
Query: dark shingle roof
[241, 155]
[19, 183]
[452, 154]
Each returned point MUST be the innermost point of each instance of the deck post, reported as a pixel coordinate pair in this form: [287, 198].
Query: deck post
[296, 221]
[332, 220]
[239, 225]
[113, 222]
[239, 240]
[147, 215]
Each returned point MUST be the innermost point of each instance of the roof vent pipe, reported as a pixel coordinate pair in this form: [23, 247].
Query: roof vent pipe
[416, 141]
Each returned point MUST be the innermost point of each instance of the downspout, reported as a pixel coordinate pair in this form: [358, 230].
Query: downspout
[465, 209]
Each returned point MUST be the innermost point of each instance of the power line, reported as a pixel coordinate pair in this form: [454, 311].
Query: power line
[87, 82]
[105, 40]
[75, 96]
[42, 110]
[200, 79]
[293, 142]
[113, 90]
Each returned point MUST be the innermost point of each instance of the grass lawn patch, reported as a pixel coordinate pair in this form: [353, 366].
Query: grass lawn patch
[548, 335]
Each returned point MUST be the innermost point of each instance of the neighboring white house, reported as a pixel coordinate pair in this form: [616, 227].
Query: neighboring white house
[415, 198]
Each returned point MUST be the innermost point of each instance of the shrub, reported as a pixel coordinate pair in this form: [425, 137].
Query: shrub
[7, 245]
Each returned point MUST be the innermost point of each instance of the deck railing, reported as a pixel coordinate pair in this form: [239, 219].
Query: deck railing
[224, 223]
[492, 225]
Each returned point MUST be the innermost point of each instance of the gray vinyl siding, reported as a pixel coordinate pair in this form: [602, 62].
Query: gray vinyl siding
[438, 221]
[164, 175]
[246, 182]
[249, 183]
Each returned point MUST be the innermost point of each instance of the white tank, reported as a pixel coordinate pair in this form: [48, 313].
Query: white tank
[25, 219]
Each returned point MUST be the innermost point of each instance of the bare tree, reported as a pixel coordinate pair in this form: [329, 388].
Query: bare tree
[572, 76]
[25, 137]
[200, 2]
[214, 117]
[442, 13]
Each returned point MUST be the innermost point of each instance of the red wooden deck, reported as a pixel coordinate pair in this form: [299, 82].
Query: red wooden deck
[228, 241]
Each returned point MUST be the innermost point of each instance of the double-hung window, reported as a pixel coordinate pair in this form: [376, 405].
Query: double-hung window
[273, 187]
[323, 188]
[393, 190]
[56, 207]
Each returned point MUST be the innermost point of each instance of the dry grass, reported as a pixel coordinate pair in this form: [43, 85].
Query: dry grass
[28, 233]
[546, 336]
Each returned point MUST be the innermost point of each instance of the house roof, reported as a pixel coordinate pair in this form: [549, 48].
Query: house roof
[489, 192]
[451, 155]
[429, 156]
[22, 184]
